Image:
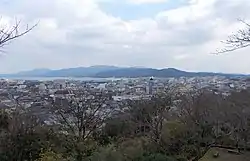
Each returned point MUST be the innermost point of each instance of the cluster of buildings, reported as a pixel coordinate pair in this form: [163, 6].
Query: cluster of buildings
[37, 95]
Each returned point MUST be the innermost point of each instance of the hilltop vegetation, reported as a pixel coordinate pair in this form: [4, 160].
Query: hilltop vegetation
[169, 127]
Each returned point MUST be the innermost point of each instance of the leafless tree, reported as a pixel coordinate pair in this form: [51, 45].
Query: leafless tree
[200, 111]
[20, 128]
[81, 116]
[150, 115]
[218, 120]
[14, 31]
[238, 115]
[238, 40]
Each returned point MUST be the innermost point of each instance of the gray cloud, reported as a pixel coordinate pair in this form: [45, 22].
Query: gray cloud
[78, 33]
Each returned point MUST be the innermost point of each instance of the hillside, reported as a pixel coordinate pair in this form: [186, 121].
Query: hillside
[163, 73]
[113, 71]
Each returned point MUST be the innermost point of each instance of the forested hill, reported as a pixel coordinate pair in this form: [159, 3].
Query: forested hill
[113, 71]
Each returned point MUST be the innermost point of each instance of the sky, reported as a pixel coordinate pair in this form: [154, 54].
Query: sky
[152, 33]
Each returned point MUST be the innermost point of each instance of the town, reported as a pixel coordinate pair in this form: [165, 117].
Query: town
[37, 96]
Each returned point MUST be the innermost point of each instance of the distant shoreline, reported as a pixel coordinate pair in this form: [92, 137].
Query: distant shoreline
[61, 78]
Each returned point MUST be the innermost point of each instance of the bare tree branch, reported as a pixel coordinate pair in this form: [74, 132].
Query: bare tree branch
[7, 34]
[82, 117]
[236, 41]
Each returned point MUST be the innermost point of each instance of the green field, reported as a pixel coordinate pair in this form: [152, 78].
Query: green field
[225, 156]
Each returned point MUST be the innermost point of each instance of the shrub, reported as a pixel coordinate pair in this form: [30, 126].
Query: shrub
[156, 157]
[51, 156]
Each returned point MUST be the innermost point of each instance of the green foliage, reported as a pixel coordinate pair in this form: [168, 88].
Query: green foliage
[22, 147]
[156, 157]
[132, 148]
[173, 130]
[118, 127]
[181, 158]
[49, 155]
[109, 153]
[189, 151]
[4, 120]
[78, 149]
[175, 136]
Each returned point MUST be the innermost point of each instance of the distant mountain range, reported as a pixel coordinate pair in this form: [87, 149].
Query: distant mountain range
[113, 71]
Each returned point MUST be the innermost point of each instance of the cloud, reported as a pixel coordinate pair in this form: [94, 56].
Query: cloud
[79, 33]
[146, 1]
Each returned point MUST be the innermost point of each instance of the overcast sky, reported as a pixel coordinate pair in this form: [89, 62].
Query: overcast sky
[151, 33]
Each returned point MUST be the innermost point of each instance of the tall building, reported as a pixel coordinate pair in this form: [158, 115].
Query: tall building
[150, 86]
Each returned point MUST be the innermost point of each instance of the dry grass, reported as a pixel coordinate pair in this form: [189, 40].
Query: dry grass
[225, 156]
